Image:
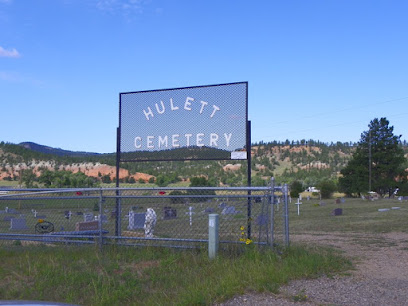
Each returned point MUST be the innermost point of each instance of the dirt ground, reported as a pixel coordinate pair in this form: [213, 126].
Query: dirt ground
[380, 276]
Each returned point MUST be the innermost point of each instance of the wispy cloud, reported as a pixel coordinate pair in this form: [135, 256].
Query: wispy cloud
[10, 77]
[122, 6]
[9, 53]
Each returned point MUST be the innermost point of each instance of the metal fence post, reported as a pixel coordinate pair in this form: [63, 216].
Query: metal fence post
[213, 238]
[286, 214]
[272, 207]
[101, 200]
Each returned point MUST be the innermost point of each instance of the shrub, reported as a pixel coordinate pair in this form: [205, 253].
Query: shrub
[327, 188]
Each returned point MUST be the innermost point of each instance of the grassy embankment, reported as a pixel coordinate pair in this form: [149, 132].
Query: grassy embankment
[129, 276]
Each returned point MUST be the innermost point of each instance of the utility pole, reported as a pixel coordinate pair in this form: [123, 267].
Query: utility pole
[369, 161]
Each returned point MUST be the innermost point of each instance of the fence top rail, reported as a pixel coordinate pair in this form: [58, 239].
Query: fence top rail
[37, 191]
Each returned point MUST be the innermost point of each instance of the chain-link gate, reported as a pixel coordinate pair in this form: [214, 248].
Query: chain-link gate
[168, 217]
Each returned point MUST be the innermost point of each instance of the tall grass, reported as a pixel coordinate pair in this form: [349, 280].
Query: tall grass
[152, 276]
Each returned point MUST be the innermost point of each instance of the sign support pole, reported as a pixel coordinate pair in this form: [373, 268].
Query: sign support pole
[118, 204]
[248, 148]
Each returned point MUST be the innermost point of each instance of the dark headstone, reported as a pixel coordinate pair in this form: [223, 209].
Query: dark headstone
[8, 218]
[169, 213]
[85, 226]
[337, 212]
[136, 220]
[79, 213]
[337, 201]
[209, 210]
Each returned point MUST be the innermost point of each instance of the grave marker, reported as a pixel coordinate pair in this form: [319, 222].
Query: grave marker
[68, 214]
[86, 226]
[169, 213]
[104, 218]
[298, 203]
[222, 205]
[8, 218]
[209, 210]
[337, 212]
[229, 210]
[18, 224]
[190, 213]
[136, 220]
[88, 217]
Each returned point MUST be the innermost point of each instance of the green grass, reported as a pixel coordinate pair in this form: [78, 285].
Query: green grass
[358, 216]
[133, 276]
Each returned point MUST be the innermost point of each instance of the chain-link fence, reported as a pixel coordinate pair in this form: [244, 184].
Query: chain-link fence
[173, 217]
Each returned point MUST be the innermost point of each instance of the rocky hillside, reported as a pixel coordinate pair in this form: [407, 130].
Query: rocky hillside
[308, 161]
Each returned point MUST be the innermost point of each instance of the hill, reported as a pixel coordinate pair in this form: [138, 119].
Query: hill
[310, 162]
[53, 151]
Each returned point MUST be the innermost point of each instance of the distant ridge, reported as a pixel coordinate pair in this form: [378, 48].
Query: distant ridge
[55, 151]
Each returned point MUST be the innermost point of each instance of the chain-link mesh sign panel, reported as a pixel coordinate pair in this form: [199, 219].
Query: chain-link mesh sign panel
[203, 122]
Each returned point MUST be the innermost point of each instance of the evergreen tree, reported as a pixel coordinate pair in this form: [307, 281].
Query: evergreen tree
[380, 149]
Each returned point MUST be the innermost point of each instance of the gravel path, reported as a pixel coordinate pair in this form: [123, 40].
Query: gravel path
[380, 277]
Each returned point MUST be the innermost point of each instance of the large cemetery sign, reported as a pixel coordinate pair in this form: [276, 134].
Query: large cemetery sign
[191, 123]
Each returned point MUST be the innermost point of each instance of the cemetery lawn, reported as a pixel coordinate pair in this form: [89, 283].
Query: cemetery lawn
[145, 276]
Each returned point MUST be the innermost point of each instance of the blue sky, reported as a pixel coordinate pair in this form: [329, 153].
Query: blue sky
[317, 70]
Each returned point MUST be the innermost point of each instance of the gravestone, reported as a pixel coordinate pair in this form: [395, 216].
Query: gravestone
[113, 214]
[8, 218]
[383, 209]
[337, 201]
[395, 208]
[343, 200]
[222, 205]
[67, 214]
[321, 203]
[337, 212]
[209, 210]
[229, 210]
[136, 220]
[79, 213]
[18, 224]
[87, 226]
[262, 220]
[11, 211]
[88, 217]
[104, 218]
[169, 213]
